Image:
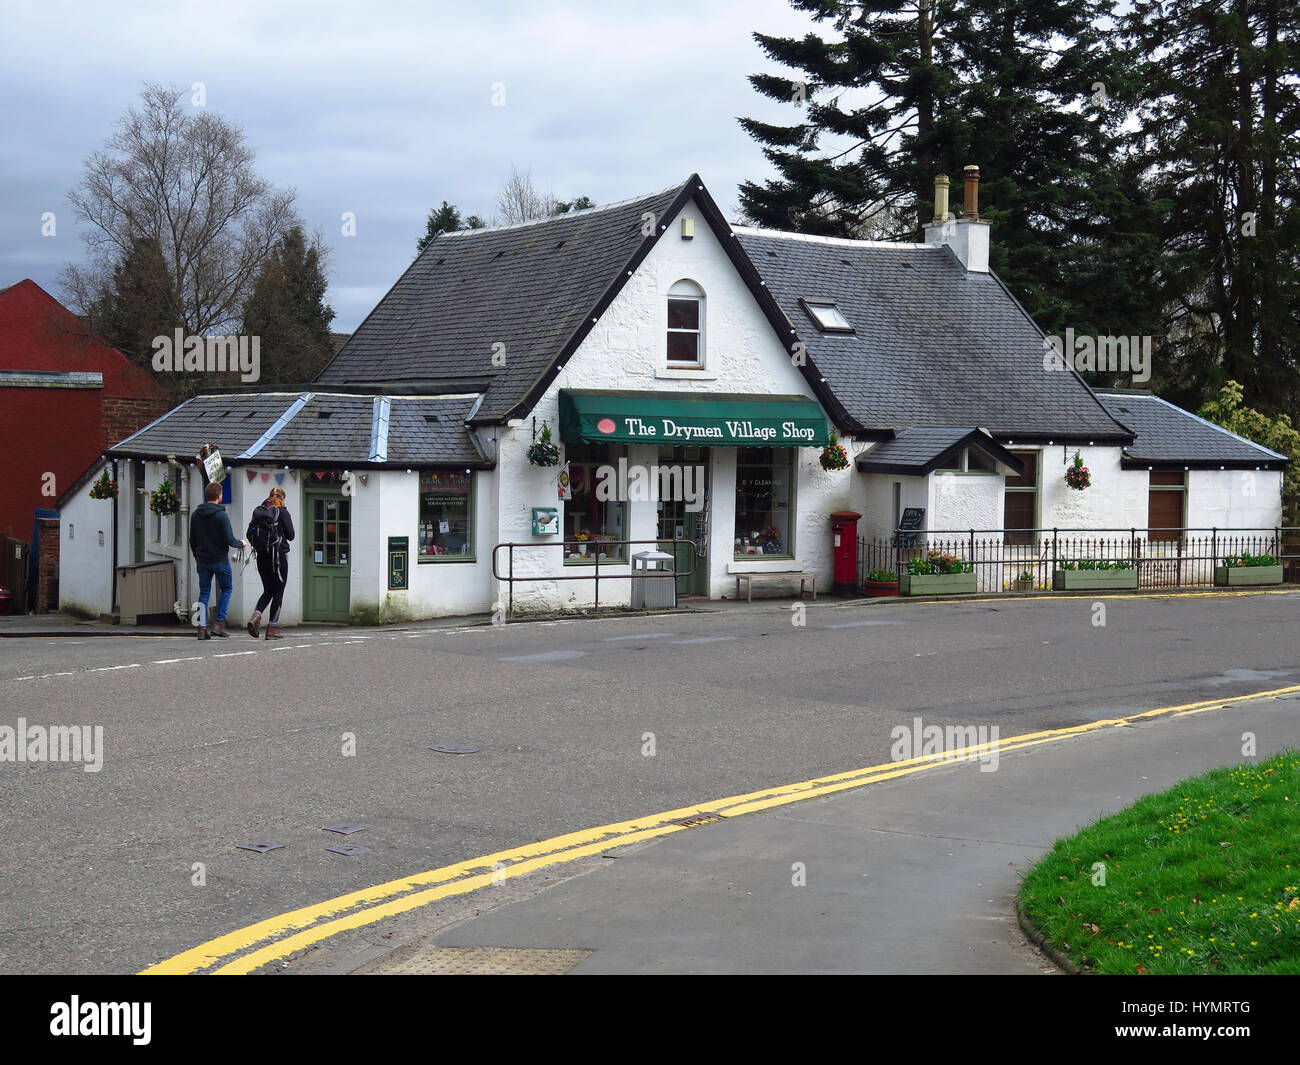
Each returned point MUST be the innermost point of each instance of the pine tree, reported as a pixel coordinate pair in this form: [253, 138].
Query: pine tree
[446, 219]
[1028, 91]
[287, 310]
[1219, 142]
[140, 304]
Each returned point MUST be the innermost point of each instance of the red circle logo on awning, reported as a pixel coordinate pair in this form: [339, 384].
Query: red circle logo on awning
[606, 425]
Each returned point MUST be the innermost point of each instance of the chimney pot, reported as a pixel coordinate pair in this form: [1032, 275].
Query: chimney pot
[941, 198]
[971, 208]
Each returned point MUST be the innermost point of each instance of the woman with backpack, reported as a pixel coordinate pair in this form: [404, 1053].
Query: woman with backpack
[270, 531]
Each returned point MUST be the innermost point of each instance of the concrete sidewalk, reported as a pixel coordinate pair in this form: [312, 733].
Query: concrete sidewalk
[912, 875]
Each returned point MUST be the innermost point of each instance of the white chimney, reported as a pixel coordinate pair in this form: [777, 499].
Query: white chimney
[967, 236]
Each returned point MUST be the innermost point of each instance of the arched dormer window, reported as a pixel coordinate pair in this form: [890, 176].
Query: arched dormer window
[686, 324]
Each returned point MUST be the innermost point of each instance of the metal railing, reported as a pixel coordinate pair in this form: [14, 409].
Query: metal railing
[588, 563]
[1024, 559]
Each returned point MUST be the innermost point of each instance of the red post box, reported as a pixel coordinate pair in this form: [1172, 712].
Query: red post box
[844, 540]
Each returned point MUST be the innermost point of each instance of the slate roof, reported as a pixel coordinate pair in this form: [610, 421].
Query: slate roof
[422, 430]
[920, 451]
[1168, 435]
[530, 287]
[934, 345]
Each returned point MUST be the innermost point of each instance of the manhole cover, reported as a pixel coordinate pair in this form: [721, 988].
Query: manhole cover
[343, 829]
[261, 846]
[348, 848]
[454, 748]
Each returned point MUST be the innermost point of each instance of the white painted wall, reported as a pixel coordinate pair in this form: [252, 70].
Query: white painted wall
[86, 564]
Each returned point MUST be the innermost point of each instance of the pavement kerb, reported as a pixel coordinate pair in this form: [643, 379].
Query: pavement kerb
[1036, 937]
[78, 629]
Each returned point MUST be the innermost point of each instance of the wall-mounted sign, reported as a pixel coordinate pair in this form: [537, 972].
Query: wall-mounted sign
[210, 459]
[565, 487]
[546, 521]
[399, 553]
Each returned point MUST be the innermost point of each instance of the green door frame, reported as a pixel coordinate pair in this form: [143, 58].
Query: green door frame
[326, 585]
[138, 512]
[674, 514]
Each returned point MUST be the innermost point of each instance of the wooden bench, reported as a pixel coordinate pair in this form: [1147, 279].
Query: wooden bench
[792, 575]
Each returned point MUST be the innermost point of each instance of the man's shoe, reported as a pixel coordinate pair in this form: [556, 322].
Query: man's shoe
[255, 624]
[219, 629]
[203, 633]
[273, 632]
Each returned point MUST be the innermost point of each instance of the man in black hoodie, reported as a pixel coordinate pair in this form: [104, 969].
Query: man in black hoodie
[211, 538]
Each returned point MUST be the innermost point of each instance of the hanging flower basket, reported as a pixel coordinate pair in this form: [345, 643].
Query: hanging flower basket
[833, 456]
[164, 501]
[544, 451]
[1077, 475]
[104, 488]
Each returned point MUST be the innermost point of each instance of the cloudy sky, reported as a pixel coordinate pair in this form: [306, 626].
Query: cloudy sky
[385, 108]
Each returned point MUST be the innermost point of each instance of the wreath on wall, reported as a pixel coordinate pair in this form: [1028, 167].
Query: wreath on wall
[544, 452]
[104, 488]
[1077, 475]
[164, 500]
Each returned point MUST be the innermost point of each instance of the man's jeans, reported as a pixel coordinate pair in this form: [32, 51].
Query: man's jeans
[225, 581]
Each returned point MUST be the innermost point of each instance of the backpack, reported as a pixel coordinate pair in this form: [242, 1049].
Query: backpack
[264, 533]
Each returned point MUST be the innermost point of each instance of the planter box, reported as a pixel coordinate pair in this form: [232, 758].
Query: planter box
[880, 589]
[1071, 580]
[1232, 576]
[937, 584]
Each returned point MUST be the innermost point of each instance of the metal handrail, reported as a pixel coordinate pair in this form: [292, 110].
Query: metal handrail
[595, 574]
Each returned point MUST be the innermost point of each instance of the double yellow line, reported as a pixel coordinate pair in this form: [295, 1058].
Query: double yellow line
[293, 931]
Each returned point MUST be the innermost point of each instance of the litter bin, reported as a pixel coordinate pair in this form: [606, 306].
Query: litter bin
[146, 593]
[657, 591]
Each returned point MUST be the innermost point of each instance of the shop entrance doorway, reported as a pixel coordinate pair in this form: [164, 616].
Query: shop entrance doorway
[686, 516]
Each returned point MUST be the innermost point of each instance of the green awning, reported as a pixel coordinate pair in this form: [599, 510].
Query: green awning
[673, 418]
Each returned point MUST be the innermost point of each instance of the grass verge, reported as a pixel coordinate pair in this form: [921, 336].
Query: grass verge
[1201, 879]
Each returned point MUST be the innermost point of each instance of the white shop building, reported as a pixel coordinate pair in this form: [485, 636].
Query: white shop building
[655, 341]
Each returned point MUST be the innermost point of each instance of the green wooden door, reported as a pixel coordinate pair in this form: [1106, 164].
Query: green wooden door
[327, 556]
[676, 520]
[139, 513]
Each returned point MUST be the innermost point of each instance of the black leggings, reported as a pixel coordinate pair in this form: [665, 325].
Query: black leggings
[274, 571]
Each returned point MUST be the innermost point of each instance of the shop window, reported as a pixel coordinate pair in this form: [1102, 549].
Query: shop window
[446, 529]
[1166, 504]
[594, 516]
[1020, 505]
[764, 502]
[686, 324]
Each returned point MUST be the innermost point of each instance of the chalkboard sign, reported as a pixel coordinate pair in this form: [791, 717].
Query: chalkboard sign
[909, 527]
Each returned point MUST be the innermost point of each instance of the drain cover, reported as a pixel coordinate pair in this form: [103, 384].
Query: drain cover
[348, 848]
[695, 819]
[261, 846]
[343, 828]
[454, 748]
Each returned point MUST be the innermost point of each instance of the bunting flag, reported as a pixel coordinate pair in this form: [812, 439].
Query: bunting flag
[293, 476]
[279, 478]
[318, 474]
[252, 474]
[365, 479]
[265, 477]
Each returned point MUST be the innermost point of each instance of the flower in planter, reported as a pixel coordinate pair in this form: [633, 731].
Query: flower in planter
[164, 501]
[833, 456]
[938, 562]
[882, 576]
[1247, 559]
[104, 488]
[582, 536]
[544, 452]
[1077, 475]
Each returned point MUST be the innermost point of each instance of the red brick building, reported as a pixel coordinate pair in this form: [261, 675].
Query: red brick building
[64, 398]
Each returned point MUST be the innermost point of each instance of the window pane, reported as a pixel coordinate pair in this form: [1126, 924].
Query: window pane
[683, 314]
[1019, 514]
[683, 347]
[764, 486]
[1165, 512]
[828, 316]
[1167, 477]
[591, 522]
[446, 515]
